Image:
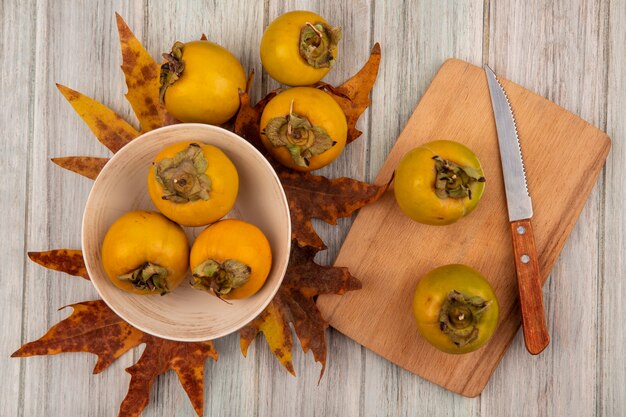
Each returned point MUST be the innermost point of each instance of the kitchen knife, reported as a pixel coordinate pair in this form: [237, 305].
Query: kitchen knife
[520, 212]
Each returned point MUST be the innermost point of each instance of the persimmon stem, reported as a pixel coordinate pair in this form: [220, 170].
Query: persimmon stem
[148, 276]
[302, 139]
[220, 278]
[460, 315]
[183, 177]
[290, 117]
[312, 26]
[318, 44]
[453, 180]
[172, 69]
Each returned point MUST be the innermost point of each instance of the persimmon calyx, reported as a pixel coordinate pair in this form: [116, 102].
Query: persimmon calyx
[172, 69]
[453, 180]
[220, 278]
[148, 276]
[460, 315]
[317, 42]
[302, 139]
[183, 176]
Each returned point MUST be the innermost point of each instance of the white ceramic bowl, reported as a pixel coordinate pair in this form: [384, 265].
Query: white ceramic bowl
[186, 314]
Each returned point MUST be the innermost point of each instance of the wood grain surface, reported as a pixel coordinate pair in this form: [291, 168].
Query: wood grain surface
[389, 252]
[570, 51]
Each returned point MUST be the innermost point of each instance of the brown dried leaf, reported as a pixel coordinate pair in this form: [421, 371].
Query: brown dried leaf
[69, 261]
[93, 327]
[160, 356]
[249, 82]
[353, 95]
[295, 303]
[143, 80]
[87, 166]
[110, 129]
[248, 118]
[313, 196]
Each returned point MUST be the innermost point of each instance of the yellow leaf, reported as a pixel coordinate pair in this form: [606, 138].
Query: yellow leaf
[275, 328]
[110, 129]
[143, 80]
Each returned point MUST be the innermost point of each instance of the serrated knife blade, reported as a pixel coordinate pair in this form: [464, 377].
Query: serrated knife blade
[515, 184]
[520, 210]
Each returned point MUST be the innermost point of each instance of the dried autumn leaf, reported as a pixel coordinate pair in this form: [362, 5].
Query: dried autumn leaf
[248, 118]
[313, 196]
[275, 327]
[69, 261]
[353, 95]
[295, 303]
[160, 356]
[110, 129]
[87, 166]
[249, 83]
[143, 80]
[93, 327]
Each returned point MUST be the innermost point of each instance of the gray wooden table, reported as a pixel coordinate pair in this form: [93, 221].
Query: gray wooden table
[570, 51]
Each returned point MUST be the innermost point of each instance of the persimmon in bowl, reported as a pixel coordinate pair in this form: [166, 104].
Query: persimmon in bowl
[186, 314]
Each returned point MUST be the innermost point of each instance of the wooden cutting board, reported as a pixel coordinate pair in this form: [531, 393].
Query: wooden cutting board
[389, 253]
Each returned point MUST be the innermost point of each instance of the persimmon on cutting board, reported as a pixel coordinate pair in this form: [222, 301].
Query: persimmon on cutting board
[388, 251]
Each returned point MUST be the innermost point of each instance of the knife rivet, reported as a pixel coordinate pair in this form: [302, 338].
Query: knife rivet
[521, 230]
[525, 259]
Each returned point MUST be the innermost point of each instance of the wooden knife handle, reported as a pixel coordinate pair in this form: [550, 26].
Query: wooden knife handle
[536, 334]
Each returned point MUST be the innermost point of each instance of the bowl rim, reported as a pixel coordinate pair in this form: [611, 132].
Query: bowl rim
[119, 154]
